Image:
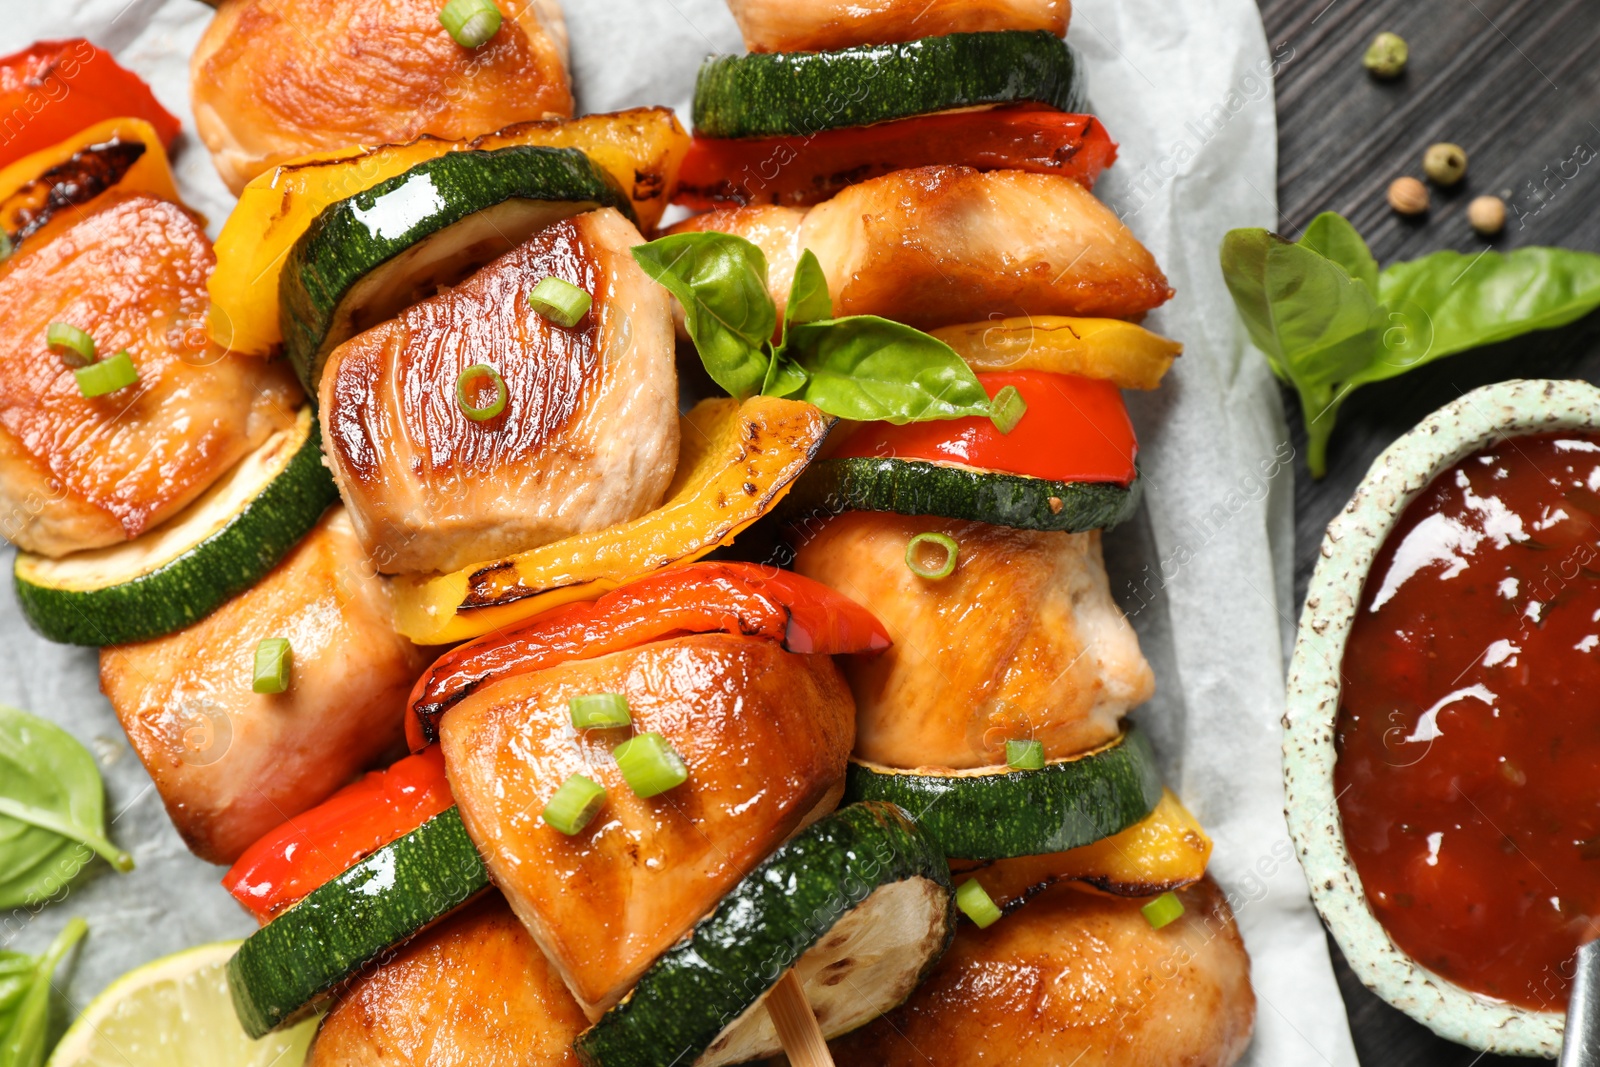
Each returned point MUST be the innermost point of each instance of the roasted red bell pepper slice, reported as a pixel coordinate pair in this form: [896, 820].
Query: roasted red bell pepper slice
[809, 170]
[714, 597]
[317, 845]
[1075, 430]
[51, 90]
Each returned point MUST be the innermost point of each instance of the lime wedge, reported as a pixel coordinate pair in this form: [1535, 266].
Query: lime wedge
[175, 1012]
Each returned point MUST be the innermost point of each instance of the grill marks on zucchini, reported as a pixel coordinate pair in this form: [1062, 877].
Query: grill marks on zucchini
[180, 572]
[859, 903]
[340, 928]
[917, 487]
[367, 258]
[998, 813]
[799, 93]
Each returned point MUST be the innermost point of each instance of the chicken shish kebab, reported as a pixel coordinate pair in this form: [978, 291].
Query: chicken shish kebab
[659, 809]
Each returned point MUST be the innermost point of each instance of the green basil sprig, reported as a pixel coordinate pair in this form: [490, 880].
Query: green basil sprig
[52, 810]
[1329, 321]
[25, 998]
[861, 367]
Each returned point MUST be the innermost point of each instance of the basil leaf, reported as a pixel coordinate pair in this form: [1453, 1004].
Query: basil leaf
[1317, 325]
[25, 998]
[1329, 321]
[721, 280]
[808, 294]
[52, 813]
[1331, 235]
[872, 370]
[785, 378]
[1244, 268]
[1326, 322]
[1453, 302]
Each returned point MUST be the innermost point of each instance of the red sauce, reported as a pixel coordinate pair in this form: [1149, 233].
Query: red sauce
[1469, 733]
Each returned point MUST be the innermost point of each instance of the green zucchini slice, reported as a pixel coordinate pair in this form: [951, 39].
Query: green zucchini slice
[917, 487]
[180, 572]
[783, 94]
[991, 813]
[859, 904]
[369, 257]
[285, 968]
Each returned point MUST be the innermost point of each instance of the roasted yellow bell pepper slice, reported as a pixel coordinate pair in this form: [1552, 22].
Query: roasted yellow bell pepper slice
[735, 463]
[642, 148]
[1121, 352]
[24, 196]
[1165, 850]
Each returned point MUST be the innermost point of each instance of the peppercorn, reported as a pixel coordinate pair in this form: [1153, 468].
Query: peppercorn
[1386, 56]
[1487, 214]
[1445, 163]
[1408, 196]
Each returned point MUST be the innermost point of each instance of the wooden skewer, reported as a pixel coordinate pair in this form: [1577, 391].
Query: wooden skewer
[797, 1024]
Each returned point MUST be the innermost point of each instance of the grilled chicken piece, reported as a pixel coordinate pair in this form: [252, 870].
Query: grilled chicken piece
[474, 991]
[1075, 978]
[272, 80]
[232, 764]
[934, 246]
[77, 472]
[589, 436]
[764, 733]
[1023, 640]
[823, 25]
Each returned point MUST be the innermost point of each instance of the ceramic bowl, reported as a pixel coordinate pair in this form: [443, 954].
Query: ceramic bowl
[1475, 421]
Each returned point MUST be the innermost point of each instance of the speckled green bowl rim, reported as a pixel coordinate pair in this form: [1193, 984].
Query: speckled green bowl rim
[1476, 420]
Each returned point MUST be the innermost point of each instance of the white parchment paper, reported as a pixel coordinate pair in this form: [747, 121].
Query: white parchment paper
[1204, 572]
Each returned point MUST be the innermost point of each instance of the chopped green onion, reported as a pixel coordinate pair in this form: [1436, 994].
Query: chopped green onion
[272, 665]
[6, 246]
[107, 376]
[1025, 755]
[560, 301]
[1164, 909]
[976, 904]
[75, 347]
[574, 805]
[599, 711]
[466, 383]
[649, 765]
[1007, 409]
[946, 543]
[471, 22]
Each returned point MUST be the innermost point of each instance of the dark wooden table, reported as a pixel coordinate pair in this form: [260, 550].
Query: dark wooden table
[1515, 83]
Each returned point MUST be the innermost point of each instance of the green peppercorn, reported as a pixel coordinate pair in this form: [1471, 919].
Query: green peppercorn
[1386, 55]
[1444, 163]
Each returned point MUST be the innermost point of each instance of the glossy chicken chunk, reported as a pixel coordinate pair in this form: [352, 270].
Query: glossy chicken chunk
[79, 472]
[1023, 640]
[934, 246]
[231, 763]
[1073, 978]
[589, 434]
[272, 80]
[764, 734]
[785, 26]
[474, 991]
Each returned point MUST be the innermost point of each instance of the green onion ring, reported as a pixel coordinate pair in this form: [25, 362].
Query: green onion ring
[464, 383]
[951, 549]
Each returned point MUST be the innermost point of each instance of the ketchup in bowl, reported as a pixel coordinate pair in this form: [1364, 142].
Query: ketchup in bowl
[1468, 733]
